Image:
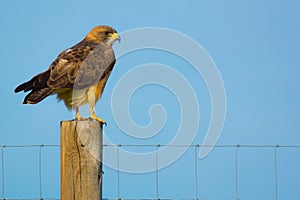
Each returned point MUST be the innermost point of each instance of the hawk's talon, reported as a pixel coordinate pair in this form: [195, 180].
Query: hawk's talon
[94, 117]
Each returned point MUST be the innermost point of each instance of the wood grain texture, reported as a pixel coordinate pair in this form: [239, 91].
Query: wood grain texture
[81, 156]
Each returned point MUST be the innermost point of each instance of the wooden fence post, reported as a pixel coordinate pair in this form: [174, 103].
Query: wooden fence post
[81, 160]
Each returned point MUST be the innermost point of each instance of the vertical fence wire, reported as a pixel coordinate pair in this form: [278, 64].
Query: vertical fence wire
[118, 170]
[196, 172]
[236, 172]
[40, 170]
[156, 170]
[275, 171]
[2, 170]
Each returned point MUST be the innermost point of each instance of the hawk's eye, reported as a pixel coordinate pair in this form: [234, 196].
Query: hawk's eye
[106, 33]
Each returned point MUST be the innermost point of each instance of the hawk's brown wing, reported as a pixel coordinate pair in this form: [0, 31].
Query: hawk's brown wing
[81, 67]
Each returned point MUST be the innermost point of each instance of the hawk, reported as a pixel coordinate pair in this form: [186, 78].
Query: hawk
[78, 75]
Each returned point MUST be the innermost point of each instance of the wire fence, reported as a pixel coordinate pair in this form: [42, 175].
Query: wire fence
[195, 148]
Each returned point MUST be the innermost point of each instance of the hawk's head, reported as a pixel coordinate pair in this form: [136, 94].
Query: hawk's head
[103, 34]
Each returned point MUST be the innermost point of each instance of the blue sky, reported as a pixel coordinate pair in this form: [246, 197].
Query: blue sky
[255, 45]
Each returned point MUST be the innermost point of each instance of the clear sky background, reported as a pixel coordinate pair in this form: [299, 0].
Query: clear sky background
[255, 45]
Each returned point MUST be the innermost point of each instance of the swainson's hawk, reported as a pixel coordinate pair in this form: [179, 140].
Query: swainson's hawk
[78, 75]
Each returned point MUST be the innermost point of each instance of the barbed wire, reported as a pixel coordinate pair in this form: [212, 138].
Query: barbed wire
[236, 147]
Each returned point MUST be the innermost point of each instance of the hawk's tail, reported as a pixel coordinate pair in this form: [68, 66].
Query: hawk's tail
[36, 96]
[25, 86]
[36, 83]
[38, 87]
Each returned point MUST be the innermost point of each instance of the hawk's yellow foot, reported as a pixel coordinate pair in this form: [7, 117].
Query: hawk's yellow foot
[95, 117]
[78, 116]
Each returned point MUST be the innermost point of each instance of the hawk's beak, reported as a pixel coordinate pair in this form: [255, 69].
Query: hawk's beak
[115, 36]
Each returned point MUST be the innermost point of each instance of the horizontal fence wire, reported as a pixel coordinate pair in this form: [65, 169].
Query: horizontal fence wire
[106, 199]
[162, 145]
[199, 145]
[196, 147]
[150, 199]
[31, 199]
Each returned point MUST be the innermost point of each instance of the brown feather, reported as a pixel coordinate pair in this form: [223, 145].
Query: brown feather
[37, 82]
[36, 96]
